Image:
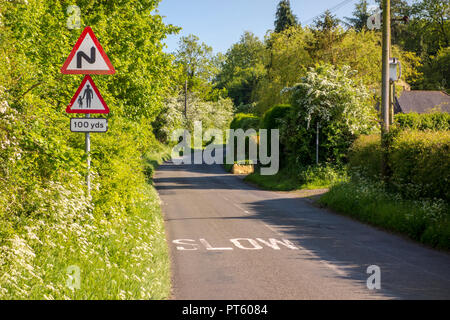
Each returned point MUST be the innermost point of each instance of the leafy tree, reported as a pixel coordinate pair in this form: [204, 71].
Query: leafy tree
[242, 69]
[290, 58]
[284, 16]
[197, 63]
[327, 34]
[212, 114]
[43, 204]
[343, 108]
[360, 16]
[437, 72]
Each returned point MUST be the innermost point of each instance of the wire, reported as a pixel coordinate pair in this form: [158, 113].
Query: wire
[335, 8]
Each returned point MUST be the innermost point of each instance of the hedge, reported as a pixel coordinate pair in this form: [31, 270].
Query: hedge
[365, 155]
[427, 121]
[272, 117]
[419, 162]
[245, 121]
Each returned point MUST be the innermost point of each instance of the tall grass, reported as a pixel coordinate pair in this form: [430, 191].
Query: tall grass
[427, 221]
[309, 177]
[122, 256]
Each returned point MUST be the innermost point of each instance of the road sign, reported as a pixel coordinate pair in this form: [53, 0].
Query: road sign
[87, 99]
[87, 56]
[88, 125]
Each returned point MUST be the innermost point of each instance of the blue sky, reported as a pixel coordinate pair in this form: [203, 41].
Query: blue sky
[220, 23]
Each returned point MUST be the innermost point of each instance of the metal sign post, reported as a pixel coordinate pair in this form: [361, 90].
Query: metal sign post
[88, 57]
[88, 153]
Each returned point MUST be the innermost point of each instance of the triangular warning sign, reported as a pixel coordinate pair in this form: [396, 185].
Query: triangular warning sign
[87, 56]
[87, 99]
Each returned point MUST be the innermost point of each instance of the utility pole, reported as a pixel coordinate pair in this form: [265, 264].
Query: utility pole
[385, 64]
[385, 85]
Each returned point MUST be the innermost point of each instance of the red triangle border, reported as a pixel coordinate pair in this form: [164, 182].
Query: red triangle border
[99, 48]
[69, 107]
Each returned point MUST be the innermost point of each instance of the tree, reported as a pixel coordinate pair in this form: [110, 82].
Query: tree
[360, 16]
[342, 106]
[199, 65]
[284, 16]
[242, 69]
[327, 35]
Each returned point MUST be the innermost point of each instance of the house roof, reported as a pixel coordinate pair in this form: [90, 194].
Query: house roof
[422, 101]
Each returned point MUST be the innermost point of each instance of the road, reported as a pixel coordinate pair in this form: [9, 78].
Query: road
[230, 240]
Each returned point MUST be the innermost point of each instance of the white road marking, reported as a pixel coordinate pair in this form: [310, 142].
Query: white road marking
[209, 247]
[254, 245]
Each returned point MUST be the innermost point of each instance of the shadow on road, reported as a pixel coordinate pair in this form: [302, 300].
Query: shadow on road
[408, 270]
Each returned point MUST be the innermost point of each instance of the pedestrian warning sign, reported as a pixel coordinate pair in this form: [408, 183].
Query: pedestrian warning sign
[87, 56]
[87, 99]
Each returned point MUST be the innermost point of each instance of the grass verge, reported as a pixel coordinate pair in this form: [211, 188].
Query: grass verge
[427, 221]
[287, 179]
[67, 251]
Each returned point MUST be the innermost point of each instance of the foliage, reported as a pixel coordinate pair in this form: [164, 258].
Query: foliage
[212, 114]
[365, 156]
[47, 223]
[436, 71]
[419, 161]
[198, 67]
[427, 121]
[294, 178]
[284, 16]
[292, 52]
[273, 118]
[342, 107]
[245, 121]
[287, 60]
[242, 69]
[420, 164]
[427, 221]
[360, 16]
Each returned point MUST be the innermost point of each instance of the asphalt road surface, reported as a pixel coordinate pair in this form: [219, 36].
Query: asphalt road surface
[230, 240]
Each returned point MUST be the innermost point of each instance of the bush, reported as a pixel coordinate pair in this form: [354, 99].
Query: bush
[427, 121]
[272, 117]
[419, 162]
[245, 121]
[365, 155]
[327, 96]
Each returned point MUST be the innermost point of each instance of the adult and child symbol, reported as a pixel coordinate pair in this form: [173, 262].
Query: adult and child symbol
[88, 94]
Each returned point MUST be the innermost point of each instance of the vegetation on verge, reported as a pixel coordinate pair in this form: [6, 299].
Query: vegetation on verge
[48, 226]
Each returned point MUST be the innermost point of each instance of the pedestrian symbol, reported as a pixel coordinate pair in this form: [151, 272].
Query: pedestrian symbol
[87, 99]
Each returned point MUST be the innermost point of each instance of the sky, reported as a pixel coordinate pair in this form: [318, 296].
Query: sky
[220, 23]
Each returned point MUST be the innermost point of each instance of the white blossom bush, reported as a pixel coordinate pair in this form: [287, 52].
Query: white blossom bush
[212, 115]
[342, 107]
[326, 93]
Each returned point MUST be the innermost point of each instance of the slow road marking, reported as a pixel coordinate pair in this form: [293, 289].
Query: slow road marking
[236, 243]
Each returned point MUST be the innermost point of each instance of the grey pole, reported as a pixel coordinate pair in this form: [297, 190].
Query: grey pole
[185, 98]
[317, 144]
[88, 153]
